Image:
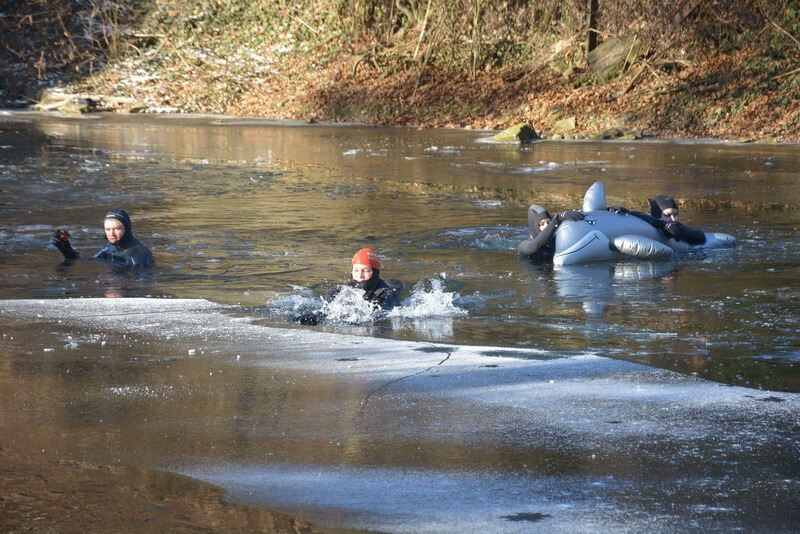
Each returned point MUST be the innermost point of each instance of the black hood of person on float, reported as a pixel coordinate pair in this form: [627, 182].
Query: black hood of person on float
[661, 203]
[536, 214]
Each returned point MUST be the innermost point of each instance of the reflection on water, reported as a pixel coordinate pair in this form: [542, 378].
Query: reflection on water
[266, 216]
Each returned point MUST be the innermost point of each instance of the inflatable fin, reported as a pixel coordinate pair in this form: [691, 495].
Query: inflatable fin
[591, 247]
[595, 197]
[641, 247]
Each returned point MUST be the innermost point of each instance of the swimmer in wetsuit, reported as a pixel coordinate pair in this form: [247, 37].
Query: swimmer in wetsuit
[664, 216]
[122, 249]
[541, 245]
[365, 275]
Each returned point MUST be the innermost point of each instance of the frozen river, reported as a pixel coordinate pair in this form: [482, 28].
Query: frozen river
[397, 436]
[632, 396]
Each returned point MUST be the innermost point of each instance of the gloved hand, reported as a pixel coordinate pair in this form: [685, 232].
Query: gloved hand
[658, 223]
[619, 210]
[311, 318]
[569, 215]
[60, 240]
[670, 228]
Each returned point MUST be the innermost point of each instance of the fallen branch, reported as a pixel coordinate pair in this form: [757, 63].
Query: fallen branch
[633, 80]
[686, 10]
[785, 74]
[789, 35]
[304, 23]
[19, 55]
[679, 89]
[175, 48]
[646, 64]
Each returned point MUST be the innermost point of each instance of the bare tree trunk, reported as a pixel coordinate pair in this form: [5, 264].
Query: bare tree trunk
[591, 38]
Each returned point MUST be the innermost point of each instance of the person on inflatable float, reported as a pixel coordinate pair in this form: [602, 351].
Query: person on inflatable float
[122, 249]
[365, 274]
[664, 216]
[541, 243]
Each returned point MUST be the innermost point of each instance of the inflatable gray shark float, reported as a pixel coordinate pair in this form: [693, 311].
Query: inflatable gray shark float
[604, 235]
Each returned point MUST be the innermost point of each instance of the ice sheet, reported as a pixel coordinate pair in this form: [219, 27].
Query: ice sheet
[583, 443]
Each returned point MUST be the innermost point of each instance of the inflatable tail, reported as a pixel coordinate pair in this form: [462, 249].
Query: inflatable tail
[719, 240]
[713, 240]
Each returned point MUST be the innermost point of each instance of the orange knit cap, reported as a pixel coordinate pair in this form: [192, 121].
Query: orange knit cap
[367, 256]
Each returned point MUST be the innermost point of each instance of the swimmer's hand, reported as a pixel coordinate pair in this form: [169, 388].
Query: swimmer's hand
[671, 228]
[60, 240]
[569, 215]
[619, 210]
[311, 318]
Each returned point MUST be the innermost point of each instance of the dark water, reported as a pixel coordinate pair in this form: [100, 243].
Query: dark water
[265, 216]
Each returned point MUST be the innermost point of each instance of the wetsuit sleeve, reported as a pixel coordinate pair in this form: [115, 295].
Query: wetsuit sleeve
[387, 299]
[135, 256]
[140, 256]
[103, 254]
[569, 215]
[532, 245]
[646, 217]
[676, 230]
[332, 293]
[110, 253]
[681, 232]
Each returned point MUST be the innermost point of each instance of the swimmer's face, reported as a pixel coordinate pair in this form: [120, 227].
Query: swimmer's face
[361, 273]
[114, 230]
[543, 223]
[669, 215]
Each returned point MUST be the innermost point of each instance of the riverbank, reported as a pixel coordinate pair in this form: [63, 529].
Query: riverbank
[699, 73]
[731, 104]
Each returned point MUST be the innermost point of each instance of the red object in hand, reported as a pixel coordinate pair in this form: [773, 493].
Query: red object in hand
[63, 235]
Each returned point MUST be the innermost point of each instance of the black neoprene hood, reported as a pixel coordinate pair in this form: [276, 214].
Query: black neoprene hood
[122, 216]
[536, 214]
[661, 203]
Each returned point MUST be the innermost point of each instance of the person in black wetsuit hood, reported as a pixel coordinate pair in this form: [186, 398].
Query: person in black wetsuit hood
[664, 216]
[122, 249]
[541, 245]
[365, 275]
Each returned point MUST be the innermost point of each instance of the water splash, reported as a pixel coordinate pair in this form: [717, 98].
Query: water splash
[300, 300]
[347, 306]
[350, 307]
[429, 298]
